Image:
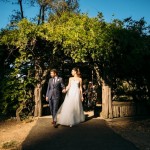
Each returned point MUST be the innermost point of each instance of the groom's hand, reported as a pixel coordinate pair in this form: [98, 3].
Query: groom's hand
[47, 99]
[64, 90]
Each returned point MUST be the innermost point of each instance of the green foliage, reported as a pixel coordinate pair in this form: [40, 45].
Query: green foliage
[121, 51]
[10, 145]
[17, 82]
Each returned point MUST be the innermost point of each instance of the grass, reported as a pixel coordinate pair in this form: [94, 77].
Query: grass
[10, 144]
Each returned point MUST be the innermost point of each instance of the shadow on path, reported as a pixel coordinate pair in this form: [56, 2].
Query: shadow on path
[90, 135]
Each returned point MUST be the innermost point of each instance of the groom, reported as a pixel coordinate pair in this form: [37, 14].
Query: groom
[54, 92]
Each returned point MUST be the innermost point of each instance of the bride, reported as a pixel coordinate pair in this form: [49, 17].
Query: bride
[71, 111]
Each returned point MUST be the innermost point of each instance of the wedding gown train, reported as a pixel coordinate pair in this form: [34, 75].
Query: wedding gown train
[71, 111]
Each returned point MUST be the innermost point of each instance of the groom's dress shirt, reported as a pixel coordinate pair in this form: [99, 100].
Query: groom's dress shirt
[54, 80]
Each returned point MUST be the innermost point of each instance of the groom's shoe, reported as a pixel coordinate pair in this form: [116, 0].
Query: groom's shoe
[52, 122]
[55, 125]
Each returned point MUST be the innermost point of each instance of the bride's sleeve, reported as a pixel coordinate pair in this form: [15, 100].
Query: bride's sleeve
[68, 86]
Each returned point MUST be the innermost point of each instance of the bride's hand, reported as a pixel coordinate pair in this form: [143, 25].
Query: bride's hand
[82, 98]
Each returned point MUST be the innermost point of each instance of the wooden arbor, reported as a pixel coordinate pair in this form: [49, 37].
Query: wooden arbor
[107, 111]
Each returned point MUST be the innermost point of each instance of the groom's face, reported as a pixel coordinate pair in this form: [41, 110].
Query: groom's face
[53, 74]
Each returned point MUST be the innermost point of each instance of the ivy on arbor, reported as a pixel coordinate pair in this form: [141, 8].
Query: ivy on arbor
[119, 50]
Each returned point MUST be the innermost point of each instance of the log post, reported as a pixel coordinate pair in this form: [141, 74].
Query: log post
[106, 102]
[38, 100]
[110, 103]
[107, 111]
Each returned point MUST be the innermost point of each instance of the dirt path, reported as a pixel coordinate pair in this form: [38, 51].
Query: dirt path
[137, 130]
[12, 133]
[94, 134]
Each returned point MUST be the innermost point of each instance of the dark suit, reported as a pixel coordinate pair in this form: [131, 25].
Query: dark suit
[54, 93]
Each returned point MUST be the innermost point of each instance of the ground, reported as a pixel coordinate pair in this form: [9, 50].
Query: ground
[12, 133]
[136, 130]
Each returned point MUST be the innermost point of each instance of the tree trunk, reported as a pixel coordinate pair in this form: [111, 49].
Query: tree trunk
[98, 75]
[40, 77]
[106, 95]
[21, 8]
[18, 111]
[43, 13]
[39, 19]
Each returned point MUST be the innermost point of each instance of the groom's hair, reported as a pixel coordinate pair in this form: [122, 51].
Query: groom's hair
[55, 71]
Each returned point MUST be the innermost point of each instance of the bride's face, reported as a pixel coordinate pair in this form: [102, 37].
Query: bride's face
[73, 72]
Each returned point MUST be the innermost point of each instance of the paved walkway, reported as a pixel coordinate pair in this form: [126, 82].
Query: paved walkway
[94, 134]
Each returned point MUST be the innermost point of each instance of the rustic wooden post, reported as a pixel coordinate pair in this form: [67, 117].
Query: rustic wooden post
[110, 103]
[38, 101]
[107, 111]
[106, 102]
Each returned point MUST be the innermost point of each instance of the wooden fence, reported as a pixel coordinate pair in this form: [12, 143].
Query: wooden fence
[129, 108]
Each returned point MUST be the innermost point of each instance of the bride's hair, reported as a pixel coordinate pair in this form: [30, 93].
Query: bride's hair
[77, 70]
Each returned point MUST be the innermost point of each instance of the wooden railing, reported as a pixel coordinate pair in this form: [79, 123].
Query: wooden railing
[129, 108]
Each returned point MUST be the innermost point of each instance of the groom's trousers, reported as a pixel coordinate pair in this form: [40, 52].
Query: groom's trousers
[53, 103]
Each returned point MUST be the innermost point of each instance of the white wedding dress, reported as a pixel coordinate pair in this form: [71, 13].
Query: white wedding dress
[71, 111]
